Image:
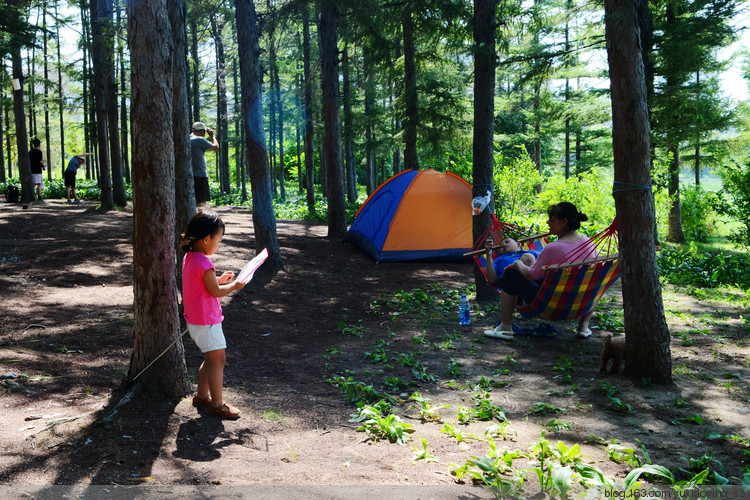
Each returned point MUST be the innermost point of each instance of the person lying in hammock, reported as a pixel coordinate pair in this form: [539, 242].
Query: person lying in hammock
[521, 282]
[510, 251]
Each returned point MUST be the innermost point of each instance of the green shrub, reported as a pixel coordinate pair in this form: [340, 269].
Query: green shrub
[698, 212]
[591, 192]
[515, 180]
[736, 200]
[703, 269]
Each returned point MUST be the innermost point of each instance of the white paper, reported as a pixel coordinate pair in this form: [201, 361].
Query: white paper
[249, 270]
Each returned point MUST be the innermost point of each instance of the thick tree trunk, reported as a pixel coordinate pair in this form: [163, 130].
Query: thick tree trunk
[123, 102]
[351, 194]
[3, 177]
[48, 156]
[674, 223]
[371, 180]
[411, 161]
[264, 220]
[280, 129]
[7, 140]
[329, 73]
[60, 98]
[119, 196]
[196, 64]
[647, 353]
[184, 186]
[101, 100]
[222, 123]
[484, 124]
[22, 139]
[308, 115]
[157, 321]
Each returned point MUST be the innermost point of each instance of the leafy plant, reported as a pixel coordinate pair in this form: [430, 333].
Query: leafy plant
[564, 365]
[355, 331]
[491, 471]
[424, 453]
[355, 391]
[426, 411]
[501, 430]
[454, 369]
[456, 434]
[420, 373]
[557, 425]
[379, 423]
[541, 407]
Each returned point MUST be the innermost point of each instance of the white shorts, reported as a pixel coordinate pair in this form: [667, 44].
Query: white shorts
[37, 178]
[208, 337]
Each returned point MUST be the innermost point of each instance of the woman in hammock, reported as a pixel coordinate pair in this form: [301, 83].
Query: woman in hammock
[521, 282]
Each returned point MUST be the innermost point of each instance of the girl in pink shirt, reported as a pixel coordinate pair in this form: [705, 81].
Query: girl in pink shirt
[522, 282]
[201, 294]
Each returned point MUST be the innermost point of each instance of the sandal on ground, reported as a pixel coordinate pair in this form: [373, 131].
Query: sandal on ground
[584, 334]
[199, 401]
[544, 330]
[497, 333]
[225, 411]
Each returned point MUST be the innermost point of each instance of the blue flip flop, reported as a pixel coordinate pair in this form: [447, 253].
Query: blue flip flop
[544, 330]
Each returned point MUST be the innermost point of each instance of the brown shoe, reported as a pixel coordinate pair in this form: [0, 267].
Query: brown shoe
[225, 411]
[199, 401]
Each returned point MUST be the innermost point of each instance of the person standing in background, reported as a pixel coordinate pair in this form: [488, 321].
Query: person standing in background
[198, 147]
[37, 166]
[70, 177]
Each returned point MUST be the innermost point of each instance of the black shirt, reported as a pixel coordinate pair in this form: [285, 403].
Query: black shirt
[35, 157]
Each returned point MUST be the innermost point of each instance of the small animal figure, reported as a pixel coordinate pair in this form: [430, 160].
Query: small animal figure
[614, 349]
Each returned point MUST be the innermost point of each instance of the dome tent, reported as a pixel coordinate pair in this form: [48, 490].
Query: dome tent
[415, 216]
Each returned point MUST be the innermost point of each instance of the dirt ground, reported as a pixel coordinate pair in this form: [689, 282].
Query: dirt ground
[66, 334]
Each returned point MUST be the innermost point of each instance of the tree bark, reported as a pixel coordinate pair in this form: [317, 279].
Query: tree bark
[60, 98]
[280, 129]
[222, 123]
[48, 156]
[196, 64]
[157, 322]
[484, 124]
[22, 139]
[119, 196]
[251, 76]
[329, 73]
[647, 352]
[101, 100]
[350, 168]
[123, 103]
[411, 161]
[371, 178]
[308, 115]
[184, 186]
[674, 223]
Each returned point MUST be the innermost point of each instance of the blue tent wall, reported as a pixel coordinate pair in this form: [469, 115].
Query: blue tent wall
[384, 214]
[370, 228]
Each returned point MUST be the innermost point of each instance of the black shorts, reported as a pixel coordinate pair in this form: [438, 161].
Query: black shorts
[202, 193]
[70, 179]
[515, 284]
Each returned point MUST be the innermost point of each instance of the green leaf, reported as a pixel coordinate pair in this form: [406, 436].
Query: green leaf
[746, 481]
[654, 470]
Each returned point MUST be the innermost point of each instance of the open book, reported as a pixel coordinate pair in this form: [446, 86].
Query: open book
[247, 272]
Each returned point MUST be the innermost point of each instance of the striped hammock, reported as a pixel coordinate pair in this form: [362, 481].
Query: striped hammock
[573, 285]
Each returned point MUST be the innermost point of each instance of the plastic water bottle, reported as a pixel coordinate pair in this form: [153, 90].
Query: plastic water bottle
[464, 313]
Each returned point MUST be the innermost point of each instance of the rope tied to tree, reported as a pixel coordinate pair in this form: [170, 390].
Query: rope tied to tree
[631, 187]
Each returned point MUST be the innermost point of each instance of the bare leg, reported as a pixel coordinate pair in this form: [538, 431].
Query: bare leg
[507, 307]
[583, 323]
[211, 377]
